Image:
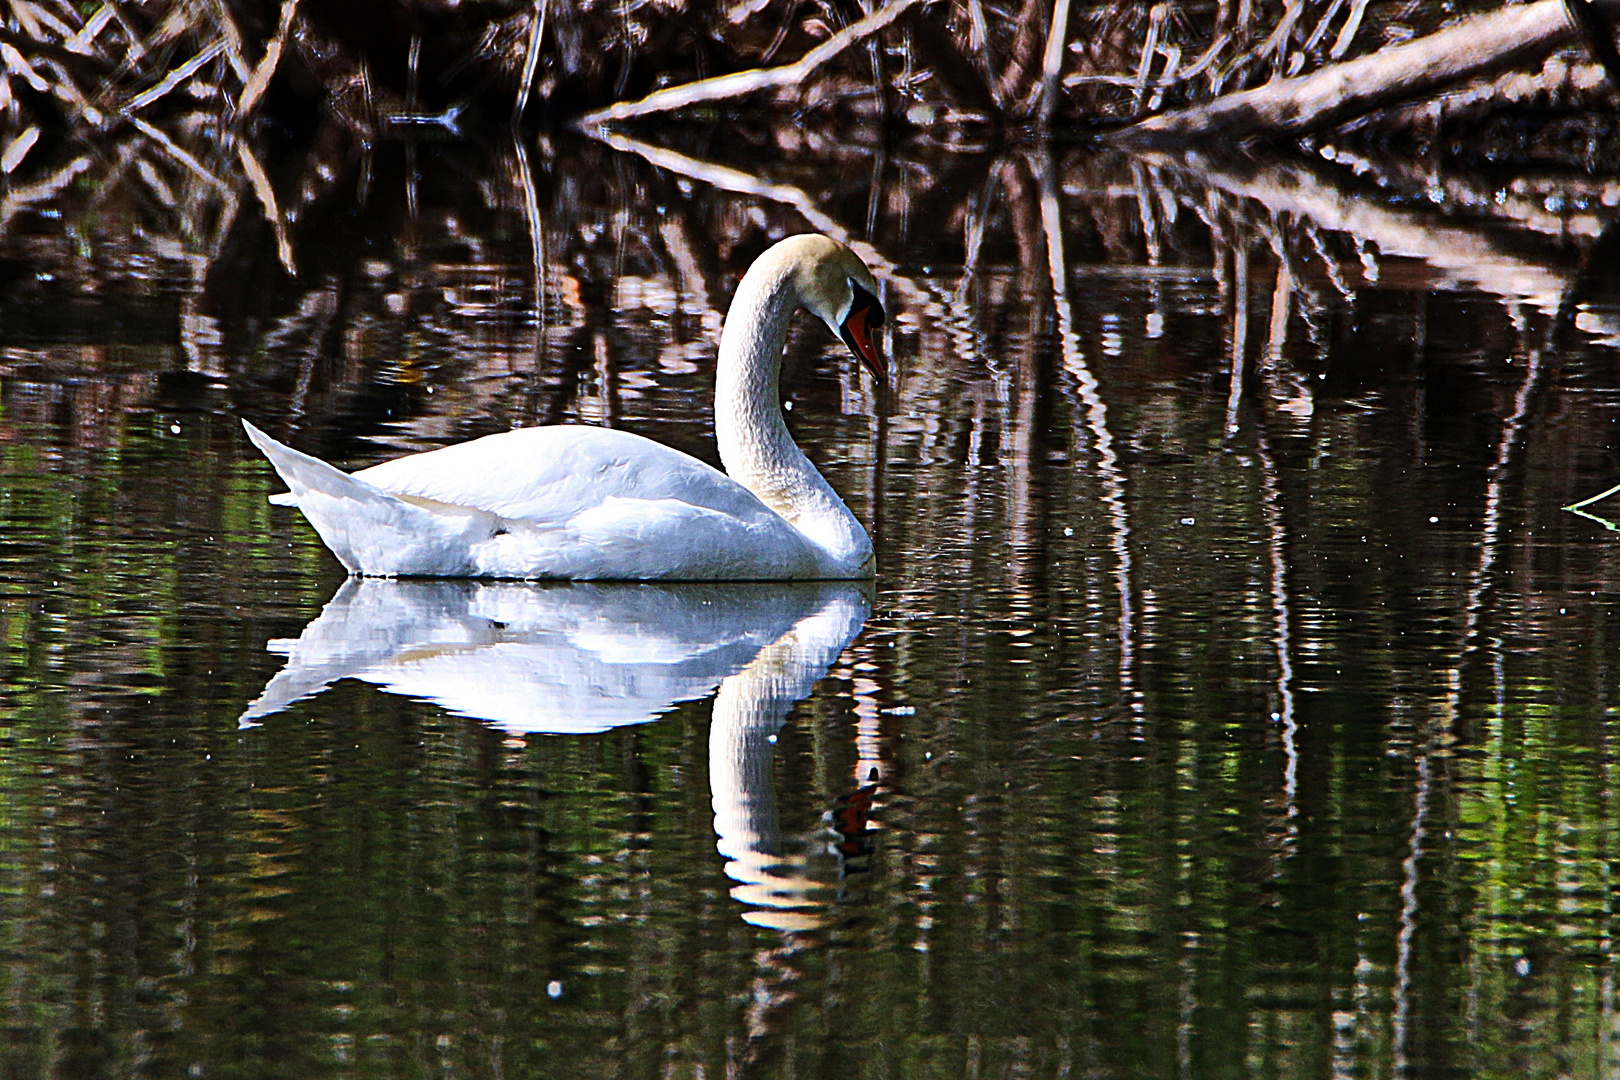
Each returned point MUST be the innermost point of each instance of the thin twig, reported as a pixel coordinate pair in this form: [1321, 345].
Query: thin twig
[1052, 63]
[1149, 47]
[18, 149]
[1577, 507]
[175, 77]
[1277, 42]
[1166, 80]
[177, 152]
[18, 64]
[979, 41]
[19, 197]
[1347, 32]
[233, 41]
[30, 11]
[81, 42]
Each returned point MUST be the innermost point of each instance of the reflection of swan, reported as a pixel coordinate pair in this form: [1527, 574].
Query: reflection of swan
[785, 884]
[593, 503]
[581, 658]
[548, 658]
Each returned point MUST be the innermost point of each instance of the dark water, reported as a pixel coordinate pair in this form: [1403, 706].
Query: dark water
[1234, 698]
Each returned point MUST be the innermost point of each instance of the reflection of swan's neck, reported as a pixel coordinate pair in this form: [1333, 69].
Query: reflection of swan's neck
[755, 445]
[748, 712]
[741, 740]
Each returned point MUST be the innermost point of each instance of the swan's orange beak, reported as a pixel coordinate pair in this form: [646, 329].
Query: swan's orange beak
[865, 315]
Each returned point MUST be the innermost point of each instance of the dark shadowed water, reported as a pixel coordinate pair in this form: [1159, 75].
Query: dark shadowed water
[1234, 698]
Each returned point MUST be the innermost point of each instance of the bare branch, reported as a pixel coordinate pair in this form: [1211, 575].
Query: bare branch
[724, 87]
[531, 58]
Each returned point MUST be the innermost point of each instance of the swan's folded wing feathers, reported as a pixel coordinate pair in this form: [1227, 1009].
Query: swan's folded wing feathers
[671, 539]
[548, 475]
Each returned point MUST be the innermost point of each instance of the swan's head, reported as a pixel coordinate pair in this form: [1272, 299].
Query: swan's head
[840, 291]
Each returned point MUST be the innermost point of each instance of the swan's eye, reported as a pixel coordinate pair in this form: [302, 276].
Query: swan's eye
[865, 301]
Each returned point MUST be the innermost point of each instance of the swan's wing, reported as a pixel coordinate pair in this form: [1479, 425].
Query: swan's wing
[549, 475]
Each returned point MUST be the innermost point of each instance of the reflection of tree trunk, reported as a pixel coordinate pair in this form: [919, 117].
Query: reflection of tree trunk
[1401, 1021]
[1461, 256]
[1282, 617]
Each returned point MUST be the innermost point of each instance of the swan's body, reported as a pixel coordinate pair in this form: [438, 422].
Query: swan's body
[587, 503]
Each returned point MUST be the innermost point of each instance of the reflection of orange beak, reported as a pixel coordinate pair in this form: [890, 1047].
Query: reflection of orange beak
[858, 336]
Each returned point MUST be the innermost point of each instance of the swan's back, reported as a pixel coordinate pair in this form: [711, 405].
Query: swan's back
[549, 475]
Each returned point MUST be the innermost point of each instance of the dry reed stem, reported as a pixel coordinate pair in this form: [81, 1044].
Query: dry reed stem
[1052, 62]
[18, 149]
[26, 195]
[259, 81]
[177, 152]
[260, 182]
[531, 58]
[176, 77]
[87, 35]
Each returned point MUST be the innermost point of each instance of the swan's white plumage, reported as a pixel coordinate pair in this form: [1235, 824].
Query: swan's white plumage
[586, 503]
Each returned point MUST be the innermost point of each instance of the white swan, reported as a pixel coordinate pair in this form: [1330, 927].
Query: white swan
[587, 503]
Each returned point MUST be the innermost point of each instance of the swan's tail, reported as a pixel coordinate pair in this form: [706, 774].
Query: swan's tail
[372, 531]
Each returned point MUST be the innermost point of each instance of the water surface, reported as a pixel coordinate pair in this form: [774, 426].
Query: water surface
[1234, 698]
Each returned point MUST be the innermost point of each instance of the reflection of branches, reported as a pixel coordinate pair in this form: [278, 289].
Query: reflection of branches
[1096, 413]
[735, 180]
[1409, 912]
[537, 246]
[1512, 428]
[1464, 256]
[1277, 549]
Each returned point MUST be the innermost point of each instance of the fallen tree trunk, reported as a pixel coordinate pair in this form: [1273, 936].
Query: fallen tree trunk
[1335, 94]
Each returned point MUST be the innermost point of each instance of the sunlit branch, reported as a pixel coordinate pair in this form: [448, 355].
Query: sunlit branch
[260, 182]
[738, 84]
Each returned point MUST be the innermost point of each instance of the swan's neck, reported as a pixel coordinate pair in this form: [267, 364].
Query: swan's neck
[755, 446]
